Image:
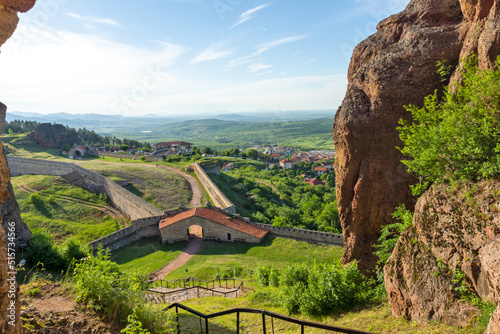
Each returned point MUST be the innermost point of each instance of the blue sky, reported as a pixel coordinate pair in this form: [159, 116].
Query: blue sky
[133, 57]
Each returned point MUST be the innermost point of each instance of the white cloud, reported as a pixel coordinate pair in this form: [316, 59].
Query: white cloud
[263, 48]
[212, 53]
[102, 20]
[268, 46]
[60, 71]
[258, 67]
[249, 14]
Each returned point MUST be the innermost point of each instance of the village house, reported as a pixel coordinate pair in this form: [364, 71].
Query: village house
[214, 225]
[315, 182]
[79, 151]
[176, 146]
[228, 167]
[275, 156]
[327, 164]
[321, 170]
[287, 164]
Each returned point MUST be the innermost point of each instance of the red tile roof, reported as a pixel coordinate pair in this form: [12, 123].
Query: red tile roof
[286, 161]
[216, 217]
[275, 155]
[320, 169]
[315, 182]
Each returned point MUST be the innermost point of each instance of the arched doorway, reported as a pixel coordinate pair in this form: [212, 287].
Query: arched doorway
[78, 154]
[195, 231]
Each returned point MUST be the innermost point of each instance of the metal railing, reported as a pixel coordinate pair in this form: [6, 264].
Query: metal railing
[233, 287]
[265, 314]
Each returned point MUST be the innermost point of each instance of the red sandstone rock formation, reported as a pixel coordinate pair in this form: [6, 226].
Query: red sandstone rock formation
[8, 23]
[453, 228]
[392, 68]
[55, 136]
[395, 67]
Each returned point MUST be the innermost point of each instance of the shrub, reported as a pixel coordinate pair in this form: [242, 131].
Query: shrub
[104, 287]
[456, 137]
[43, 250]
[390, 233]
[319, 289]
[72, 250]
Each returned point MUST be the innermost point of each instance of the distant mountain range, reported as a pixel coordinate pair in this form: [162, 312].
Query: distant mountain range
[117, 123]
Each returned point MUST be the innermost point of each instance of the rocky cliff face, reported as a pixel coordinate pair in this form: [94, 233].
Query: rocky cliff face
[8, 23]
[395, 67]
[55, 136]
[454, 227]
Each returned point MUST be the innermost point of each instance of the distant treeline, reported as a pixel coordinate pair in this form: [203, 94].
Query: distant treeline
[19, 126]
[87, 136]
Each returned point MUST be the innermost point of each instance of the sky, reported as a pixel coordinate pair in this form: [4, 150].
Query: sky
[177, 57]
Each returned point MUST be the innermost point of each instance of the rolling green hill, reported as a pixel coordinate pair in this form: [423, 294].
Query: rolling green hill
[226, 134]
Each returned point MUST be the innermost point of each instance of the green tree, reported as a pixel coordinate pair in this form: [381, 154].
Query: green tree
[253, 153]
[456, 137]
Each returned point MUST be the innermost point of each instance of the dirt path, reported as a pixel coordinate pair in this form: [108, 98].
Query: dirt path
[114, 213]
[196, 199]
[195, 187]
[193, 248]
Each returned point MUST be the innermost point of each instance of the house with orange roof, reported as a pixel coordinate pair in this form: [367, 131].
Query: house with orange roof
[275, 156]
[214, 224]
[315, 182]
[287, 164]
[321, 170]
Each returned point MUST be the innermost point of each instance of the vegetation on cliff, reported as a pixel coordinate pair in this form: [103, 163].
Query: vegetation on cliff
[456, 137]
[452, 144]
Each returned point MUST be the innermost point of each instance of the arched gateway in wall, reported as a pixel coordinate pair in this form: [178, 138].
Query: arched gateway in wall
[215, 225]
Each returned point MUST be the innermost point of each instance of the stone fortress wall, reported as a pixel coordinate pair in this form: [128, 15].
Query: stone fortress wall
[146, 218]
[216, 195]
[299, 234]
[133, 206]
[129, 156]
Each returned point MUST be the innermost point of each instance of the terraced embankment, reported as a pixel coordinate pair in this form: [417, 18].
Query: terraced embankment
[120, 219]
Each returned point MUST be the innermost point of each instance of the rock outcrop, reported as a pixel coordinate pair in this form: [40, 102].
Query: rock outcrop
[454, 228]
[10, 320]
[395, 67]
[55, 136]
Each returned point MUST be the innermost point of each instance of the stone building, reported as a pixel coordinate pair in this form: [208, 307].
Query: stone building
[177, 146]
[214, 225]
[79, 151]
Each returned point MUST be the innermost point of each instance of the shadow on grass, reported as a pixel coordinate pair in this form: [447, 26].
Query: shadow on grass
[142, 249]
[227, 248]
[134, 190]
[192, 324]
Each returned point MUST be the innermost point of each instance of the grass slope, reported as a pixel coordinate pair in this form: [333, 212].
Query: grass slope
[148, 255]
[143, 255]
[58, 217]
[159, 187]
